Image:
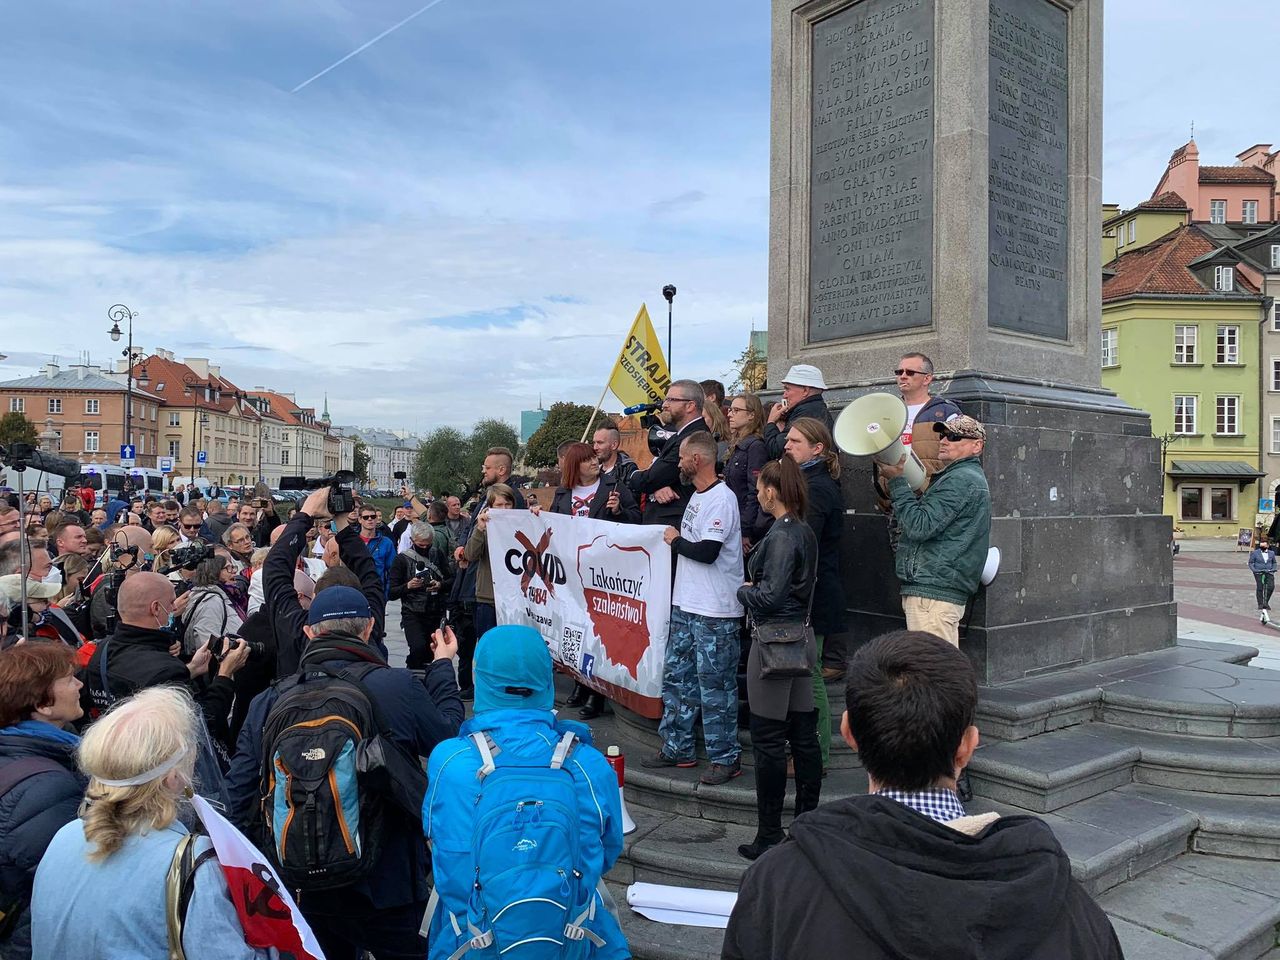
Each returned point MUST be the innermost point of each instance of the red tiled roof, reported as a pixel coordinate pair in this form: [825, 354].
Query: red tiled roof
[174, 376]
[1161, 267]
[1240, 174]
[1169, 200]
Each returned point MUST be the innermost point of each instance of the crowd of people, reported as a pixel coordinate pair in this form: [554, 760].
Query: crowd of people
[185, 645]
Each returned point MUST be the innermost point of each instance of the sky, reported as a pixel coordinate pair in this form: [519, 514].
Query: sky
[462, 218]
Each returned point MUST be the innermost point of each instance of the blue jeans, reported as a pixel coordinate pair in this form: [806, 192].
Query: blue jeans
[700, 672]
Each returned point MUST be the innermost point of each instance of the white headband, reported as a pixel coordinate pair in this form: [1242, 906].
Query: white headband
[155, 773]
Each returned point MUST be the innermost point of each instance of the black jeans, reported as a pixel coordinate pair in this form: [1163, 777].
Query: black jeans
[418, 627]
[1265, 584]
[388, 934]
[769, 746]
[486, 617]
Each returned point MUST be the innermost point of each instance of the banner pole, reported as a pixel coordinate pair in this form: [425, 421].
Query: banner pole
[599, 404]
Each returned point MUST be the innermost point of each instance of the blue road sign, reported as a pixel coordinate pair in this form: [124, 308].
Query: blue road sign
[202, 456]
[127, 451]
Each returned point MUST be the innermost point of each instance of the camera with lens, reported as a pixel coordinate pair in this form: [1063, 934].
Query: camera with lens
[342, 489]
[188, 557]
[219, 647]
[428, 571]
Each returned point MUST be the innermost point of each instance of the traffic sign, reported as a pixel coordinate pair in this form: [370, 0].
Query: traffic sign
[202, 456]
[166, 464]
[127, 451]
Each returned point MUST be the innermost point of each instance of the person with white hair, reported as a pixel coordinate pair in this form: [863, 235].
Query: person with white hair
[100, 890]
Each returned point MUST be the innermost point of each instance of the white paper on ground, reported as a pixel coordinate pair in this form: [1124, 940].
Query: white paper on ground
[689, 906]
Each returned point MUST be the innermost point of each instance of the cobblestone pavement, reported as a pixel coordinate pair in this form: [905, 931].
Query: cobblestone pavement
[1214, 591]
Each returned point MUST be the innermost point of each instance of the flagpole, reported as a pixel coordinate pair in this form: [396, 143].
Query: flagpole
[590, 419]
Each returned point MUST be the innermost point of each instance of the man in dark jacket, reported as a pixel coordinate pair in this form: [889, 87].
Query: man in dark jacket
[667, 495]
[421, 578]
[613, 462]
[945, 533]
[381, 912]
[801, 397]
[904, 872]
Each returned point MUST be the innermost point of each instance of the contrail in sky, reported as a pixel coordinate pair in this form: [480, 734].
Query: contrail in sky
[365, 46]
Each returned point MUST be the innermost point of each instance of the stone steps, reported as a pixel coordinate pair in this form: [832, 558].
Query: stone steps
[1226, 825]
[1063, 767]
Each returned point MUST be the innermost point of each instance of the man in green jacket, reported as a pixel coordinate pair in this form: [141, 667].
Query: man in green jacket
[944, 533]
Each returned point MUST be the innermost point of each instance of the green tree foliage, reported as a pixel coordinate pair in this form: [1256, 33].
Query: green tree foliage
[565, 421]
[449, 460]
[750, 371]
[360, 461]
[16, 428]
[485, 435]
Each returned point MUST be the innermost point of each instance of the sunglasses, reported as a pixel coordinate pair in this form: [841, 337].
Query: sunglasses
[904, 372]
[955, 437]
[369, 516]
[191, 526]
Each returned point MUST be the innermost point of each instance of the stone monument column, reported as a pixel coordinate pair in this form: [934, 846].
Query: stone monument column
[936, 187]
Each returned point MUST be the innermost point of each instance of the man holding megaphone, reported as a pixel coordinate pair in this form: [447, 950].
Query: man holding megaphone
[945, 532]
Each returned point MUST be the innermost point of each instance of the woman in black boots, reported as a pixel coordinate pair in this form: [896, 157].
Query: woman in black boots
[781, 572]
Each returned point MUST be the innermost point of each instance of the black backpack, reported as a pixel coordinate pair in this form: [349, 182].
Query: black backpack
[330, 777]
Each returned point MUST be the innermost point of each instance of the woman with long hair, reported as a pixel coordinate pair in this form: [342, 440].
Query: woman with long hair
[747, 457]
[779, 587]
[39, 701]
[100, 889]
[810, 445]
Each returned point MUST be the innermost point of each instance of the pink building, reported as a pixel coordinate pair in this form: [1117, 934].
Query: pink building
[1244, 193]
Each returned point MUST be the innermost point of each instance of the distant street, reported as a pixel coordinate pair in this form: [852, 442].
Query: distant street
[1214, 592]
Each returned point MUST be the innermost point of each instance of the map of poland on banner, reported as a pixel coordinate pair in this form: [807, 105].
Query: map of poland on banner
[598, 592]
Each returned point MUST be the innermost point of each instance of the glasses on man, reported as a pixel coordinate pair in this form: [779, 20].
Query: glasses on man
[678, 400]
[954, 437]
[368, 516]
[191, 526]
[904, 372]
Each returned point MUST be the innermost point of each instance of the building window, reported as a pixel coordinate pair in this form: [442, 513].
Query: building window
[1228, 343]
[1133, 230]
[1184, 413]
[175, 419]
[1275, 373]
[1224, 279]
[17, 405]
[91, 441]
[91, 406]
[1217, 211]
[1184, 343]
[1228, 421]
[1110, 347]
[284, 458]
[1275, 434]
[1220, 503]
[1191, 503]
[1275, 256]
[55, 404]
[175, 448]
[1249, 211]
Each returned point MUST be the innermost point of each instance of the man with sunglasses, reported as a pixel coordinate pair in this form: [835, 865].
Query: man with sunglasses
[666, 494]
[381, 549]
[945, 532]
[191, 526]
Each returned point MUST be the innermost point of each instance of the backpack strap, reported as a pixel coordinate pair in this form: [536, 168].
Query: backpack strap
[179, 887]
[488, 750]
[12, 774]
[563, 748]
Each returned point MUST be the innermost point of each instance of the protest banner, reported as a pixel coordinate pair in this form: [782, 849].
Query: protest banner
[598, 592]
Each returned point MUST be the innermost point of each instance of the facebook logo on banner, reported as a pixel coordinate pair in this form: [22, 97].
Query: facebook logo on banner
[588, 665]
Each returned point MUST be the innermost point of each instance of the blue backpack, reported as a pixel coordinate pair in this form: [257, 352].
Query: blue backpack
[530, 898]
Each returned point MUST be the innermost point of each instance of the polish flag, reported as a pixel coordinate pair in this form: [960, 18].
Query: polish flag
[267, 912]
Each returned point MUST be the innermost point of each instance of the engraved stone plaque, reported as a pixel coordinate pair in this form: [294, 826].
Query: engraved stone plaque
[871, 173]
[1027, 171]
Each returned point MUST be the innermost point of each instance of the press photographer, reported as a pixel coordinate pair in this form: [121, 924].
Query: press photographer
[421, 578]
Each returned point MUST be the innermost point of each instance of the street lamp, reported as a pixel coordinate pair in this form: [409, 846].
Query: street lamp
[192, 386]
[117, 313]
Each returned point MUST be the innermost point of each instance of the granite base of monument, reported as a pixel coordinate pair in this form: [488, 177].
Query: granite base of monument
[1086, 571]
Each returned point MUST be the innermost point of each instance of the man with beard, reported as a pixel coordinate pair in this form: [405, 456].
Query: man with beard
[666, 494]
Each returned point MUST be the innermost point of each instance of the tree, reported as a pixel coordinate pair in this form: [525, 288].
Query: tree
[16, 428]
[441, 463]
[750, 371]
[565, 421]
[360, 461]
[485, 435]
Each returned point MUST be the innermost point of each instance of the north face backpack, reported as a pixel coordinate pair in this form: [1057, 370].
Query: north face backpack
[325, 796]
[531, 896]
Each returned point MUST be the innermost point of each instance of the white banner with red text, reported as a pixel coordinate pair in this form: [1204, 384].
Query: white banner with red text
[598, 592]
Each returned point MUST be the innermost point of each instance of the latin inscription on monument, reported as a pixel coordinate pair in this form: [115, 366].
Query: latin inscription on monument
[1027, 174]
[871, 172]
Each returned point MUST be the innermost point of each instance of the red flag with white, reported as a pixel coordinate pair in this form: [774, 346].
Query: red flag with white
[267, 912]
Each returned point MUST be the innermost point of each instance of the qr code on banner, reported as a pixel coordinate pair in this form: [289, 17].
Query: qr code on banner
[571, 646]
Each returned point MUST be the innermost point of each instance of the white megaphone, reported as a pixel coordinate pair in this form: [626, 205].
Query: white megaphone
[872, 426]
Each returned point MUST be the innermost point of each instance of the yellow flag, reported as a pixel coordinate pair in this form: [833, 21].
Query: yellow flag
[640, 375]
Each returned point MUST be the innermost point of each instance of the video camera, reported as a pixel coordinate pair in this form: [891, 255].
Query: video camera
[118, 553]
[188, 557]
[342, 489]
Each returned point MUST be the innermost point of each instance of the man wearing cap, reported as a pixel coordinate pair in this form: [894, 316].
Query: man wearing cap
[801, 397]
[381, 912]
[514, 711]
[944, 534]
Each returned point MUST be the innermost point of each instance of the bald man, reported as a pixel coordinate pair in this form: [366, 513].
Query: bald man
[140, 654]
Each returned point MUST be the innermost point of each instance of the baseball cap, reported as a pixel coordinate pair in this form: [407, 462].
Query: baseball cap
[962, 426]
[805, 375]
[338, 603]
[513, 670]
[11, 585]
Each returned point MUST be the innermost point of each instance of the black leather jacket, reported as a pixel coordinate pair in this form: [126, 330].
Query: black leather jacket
[781, 571]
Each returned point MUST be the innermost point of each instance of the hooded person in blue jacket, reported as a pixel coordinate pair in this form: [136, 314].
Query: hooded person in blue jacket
[514, 695]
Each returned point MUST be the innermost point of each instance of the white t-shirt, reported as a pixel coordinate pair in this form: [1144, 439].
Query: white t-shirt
[583, 497]
[711, 589]
[913, 411]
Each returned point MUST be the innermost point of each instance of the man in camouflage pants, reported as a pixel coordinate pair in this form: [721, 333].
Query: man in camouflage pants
[700, 671]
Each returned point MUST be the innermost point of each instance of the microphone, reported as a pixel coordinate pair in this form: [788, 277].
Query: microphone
[641, 408]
